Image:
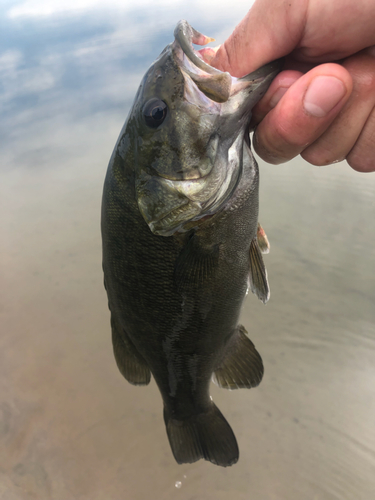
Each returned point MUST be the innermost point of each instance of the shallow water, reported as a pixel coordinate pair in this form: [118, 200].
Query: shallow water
[71, 428]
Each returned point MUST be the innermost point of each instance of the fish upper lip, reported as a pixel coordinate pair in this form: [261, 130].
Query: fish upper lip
[217, 85]
[184, 34]
[214, 83]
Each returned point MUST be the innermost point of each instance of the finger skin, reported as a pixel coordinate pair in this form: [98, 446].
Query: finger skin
[276, 28]
[362, 156]
[351, 136]
[275, 92]
[288, 129]
[270, 30]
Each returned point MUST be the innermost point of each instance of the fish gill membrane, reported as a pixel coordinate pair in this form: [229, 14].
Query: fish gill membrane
[182, 243]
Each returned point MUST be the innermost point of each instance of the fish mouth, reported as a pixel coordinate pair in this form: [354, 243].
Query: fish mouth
[167, 205]
[215, 93]
[219, 86]
[163, 208]
[170, 199]
[215, 84]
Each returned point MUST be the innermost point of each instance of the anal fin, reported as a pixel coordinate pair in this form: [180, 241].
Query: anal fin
[258, 274]
[130, 363]
[242, 367]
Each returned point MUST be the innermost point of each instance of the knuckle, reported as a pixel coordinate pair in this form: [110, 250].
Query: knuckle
[362, 70]
[365, 83]
[290, 136]
[362, 156]
[265, 148]
[291, 129]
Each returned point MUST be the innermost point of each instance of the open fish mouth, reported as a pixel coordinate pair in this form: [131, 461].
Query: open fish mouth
[218, 85]
[198, 159]
[215, 84]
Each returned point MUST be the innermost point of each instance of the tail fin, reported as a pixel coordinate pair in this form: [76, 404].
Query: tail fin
[206, 435]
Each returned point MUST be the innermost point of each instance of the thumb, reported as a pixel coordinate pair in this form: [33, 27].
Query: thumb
[303, 113]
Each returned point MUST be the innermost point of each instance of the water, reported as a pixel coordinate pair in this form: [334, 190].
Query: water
[71, 428]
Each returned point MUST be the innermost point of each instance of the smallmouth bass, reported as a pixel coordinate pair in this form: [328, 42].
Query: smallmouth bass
[180, 245]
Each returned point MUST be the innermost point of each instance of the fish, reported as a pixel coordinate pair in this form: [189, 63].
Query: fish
[180, 248]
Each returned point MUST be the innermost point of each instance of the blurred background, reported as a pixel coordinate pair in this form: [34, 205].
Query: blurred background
[71, 428]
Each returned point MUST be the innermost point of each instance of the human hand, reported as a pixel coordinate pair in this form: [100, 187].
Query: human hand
[322, 105]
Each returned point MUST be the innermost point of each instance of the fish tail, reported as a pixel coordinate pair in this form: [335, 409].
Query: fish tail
[206, 435]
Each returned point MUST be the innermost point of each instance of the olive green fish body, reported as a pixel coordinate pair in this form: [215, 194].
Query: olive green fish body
[179, 227]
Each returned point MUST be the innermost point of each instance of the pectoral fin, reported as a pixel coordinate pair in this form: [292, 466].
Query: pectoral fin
[242, 367]
[196, 264]
[258, 274]
[264, 244]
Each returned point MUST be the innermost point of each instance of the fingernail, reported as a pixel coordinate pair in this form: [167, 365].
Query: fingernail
[322, 95]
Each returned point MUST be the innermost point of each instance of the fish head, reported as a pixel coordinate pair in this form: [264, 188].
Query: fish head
[188, 125]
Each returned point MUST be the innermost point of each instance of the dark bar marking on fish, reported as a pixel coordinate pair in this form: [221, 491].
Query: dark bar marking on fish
[258, 274]
[242, 367]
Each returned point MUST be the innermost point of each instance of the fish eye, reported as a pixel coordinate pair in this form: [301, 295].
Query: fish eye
[154, 112]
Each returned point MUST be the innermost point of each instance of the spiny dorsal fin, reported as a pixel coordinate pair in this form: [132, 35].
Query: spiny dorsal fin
[258, 273]
[242, 367]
